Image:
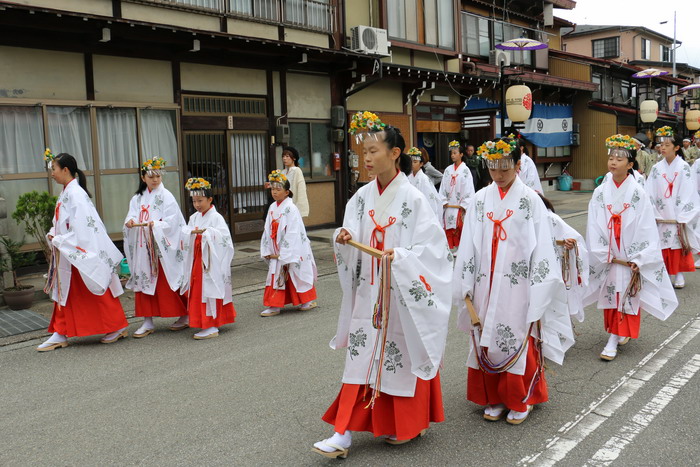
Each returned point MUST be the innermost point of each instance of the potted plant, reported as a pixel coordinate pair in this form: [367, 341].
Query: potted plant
[34, 212]
[19, 296]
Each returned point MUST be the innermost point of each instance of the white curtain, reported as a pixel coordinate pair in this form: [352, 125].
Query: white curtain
[116, 137]
[213, 4]
[21, 140]
[446, 25]
[69, 131]
[158, 136]
[248, 169]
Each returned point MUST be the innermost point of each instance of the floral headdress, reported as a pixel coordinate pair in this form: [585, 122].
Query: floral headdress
[415, 154]
[663, 133]
[697, 135]
[497, 154]
[49, 157]
[154, 166]
[276, 177]
[198, 186]
[363, 123]
[621, 145]
[454, 144]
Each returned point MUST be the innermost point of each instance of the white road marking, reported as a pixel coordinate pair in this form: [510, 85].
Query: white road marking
[572, 433]
[612, 449]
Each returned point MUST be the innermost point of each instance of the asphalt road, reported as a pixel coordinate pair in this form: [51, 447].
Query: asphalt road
[255, 395]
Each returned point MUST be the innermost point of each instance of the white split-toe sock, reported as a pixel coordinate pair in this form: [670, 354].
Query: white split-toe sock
[272, 311]
[343, 441]
[679, 282]
[146, 326]
[113, 335]
[182, 321]
[207, 332]
[56, 338]
[494, 410]
[515, 415]
[610, 349]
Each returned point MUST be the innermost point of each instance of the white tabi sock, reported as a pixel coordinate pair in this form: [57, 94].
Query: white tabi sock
[112, 335]
[54, 339]
[147, 324]
[184, 319]
[344, 441]
[680, 279]
[612, 342]
[206, 332]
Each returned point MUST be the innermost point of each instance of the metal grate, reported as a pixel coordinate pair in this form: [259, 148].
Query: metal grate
[206, 158]
[236, 106]
[14, 322]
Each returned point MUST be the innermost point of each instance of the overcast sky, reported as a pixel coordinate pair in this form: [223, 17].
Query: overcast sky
[645, 13]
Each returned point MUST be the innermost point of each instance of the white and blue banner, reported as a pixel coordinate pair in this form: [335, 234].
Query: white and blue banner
[549, 125]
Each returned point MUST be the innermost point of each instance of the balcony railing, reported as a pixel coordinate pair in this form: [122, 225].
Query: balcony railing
[316, 15]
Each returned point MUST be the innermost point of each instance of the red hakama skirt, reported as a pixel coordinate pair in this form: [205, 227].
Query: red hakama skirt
[453, 235]
[87, 314]
[506, 388]
[279, 298]
[403, 417]
[164, 303]
[197, 310]
[676, 261]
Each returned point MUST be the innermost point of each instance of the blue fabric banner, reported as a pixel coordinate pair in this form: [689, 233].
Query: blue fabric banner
[549, 125]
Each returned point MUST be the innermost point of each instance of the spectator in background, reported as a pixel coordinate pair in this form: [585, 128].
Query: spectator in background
[433, 174]
[291, 170]
[473, 164]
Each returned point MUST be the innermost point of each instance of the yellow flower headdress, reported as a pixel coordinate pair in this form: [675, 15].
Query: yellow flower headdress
[620, 145]
[49, 157]
[155, 165]
[277, 177]
[697, 135]
[363, 123]
[496, 154]
[453, 144]
[198, 186]
[415, 153]
[663, 133]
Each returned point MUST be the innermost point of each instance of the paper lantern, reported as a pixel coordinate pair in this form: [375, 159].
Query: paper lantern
[518, 103]
[649, 111]
[692, 119]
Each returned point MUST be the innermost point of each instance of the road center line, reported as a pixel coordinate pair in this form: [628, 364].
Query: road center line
[572, 433]
[612, 449]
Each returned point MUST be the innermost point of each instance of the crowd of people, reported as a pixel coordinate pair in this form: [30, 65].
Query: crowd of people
[516, 273]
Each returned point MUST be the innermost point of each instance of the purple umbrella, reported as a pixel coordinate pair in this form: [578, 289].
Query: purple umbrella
[649, 73]
[690, 87]
[521, 43]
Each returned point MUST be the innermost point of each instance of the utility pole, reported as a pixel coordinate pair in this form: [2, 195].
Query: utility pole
[673, 49]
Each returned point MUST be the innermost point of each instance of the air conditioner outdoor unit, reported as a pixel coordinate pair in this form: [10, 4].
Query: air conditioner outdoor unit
[496, 56]
[370, 40]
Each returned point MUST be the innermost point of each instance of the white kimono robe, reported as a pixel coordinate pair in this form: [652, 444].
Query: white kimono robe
[695, 175]
[82, 239]
[681, 203]
[526, 286]
[421, 275]
[639, 178]
[217, 254]
[528, 173]
[160, 207]
[639, 243]
[577, 264]
[292, 246]
[421, 181]
[456, 189]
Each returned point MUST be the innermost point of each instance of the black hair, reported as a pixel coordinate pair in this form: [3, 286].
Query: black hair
[286, 186]
[678, 141]
[548, 204]
[293, 152]
[523, 143]
[66, 161]
[394, 139]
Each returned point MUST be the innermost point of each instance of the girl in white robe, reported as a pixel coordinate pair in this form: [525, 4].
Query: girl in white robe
[420, 180]
[676, 206]
[285, 247]
[507, 267]
[456, 190]
[572, 257]
[395, 390]
[528, 173]
[622, 228]
[154, 251]
[209, 248]
[82, 279]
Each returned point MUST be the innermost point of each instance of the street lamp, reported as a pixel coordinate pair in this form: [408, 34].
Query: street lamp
[649, 108]
[518, 100]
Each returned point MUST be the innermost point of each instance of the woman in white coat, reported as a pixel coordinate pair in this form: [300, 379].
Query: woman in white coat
[297, 184]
